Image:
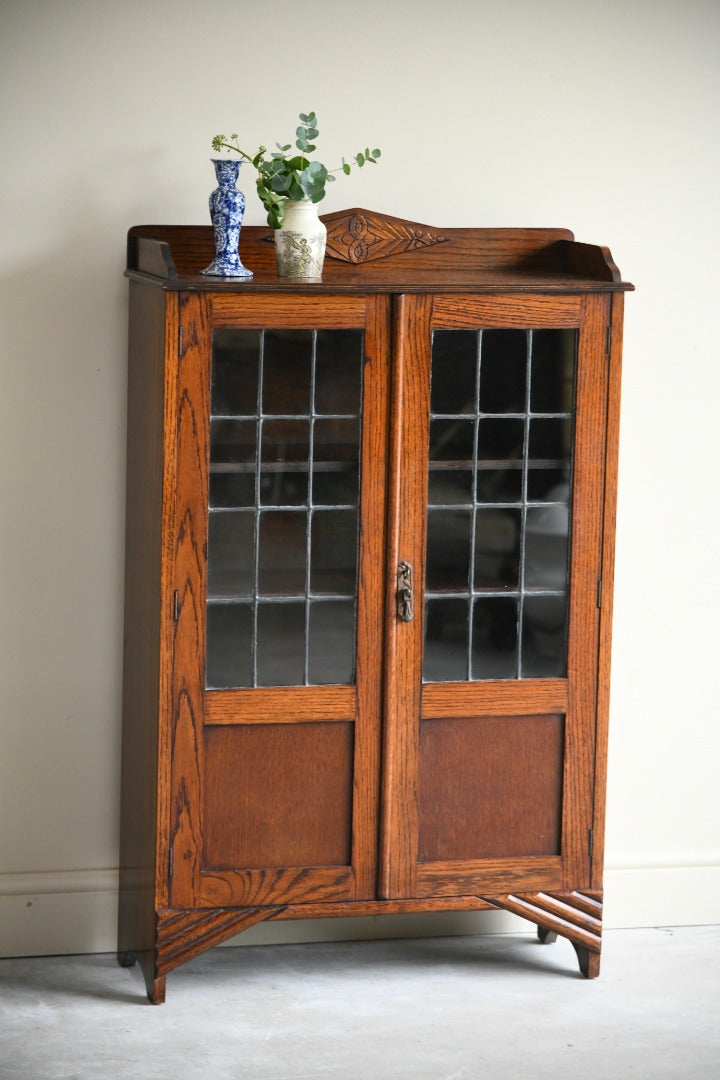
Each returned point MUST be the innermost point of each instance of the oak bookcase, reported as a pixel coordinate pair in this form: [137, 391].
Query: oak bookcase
[368, 582]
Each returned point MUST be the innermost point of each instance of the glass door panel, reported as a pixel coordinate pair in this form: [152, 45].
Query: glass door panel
[283, 513]
[499, 503]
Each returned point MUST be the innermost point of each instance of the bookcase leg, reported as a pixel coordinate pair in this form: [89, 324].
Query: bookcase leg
[589, 961]
[156, 990]
[546, 937]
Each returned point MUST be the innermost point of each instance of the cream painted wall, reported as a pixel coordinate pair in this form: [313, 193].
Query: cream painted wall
[601, 117]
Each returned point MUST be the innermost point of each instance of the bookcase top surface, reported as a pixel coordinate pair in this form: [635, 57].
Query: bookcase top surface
[375, 252]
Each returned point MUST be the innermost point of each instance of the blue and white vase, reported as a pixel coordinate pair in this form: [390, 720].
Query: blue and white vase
[227, 206]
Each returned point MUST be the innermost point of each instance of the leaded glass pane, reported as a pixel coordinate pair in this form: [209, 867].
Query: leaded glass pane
[497, 570]
[284, 496]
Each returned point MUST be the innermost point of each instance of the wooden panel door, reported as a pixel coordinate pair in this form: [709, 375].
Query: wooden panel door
[498, 435]
[277, 592]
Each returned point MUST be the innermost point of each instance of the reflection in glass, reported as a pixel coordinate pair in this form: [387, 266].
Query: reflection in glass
[232, 462]
[451, 458]
[448, 550]
[333, 552]
[544, 637]
[287, 367]
[338, 372]
[336, 460]
[453, 387]
[553, 370]
[497, 548]
[282, 552]
[229, 651]
[331, 641]
[234, 388]
[494, 637]
[546, 547]
[284, 462]
[280, 644]
[231, 554]
[446, 640]
[503, 371]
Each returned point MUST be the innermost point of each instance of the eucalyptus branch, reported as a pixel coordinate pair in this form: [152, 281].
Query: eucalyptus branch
[282, 177]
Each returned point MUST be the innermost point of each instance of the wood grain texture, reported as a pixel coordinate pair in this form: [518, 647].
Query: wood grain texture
[585, 569]
[485, 877]
[142, 663]
[183, 935]
[278, 795]
[607, 573]
[575, 914]
[483, 260]
[371, 598]
[506, 312]
[360, 236]
[505, 697]
[190, 570]
[407, 498]
[380, 799]
[296, 884]
[291, 312]
[284, 705]
[490, 787]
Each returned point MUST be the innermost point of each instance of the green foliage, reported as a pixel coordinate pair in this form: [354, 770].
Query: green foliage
[286, 175]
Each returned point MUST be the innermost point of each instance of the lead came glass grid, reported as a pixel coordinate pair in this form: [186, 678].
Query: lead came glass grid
[499, 495]
[283, 514]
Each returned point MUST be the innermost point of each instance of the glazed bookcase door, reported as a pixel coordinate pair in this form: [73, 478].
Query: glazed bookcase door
[278, 599]
[496, 437]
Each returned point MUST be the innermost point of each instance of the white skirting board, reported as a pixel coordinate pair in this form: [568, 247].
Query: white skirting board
[75, 911]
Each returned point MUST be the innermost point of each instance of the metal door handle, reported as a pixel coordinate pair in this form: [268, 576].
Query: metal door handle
[404, 594]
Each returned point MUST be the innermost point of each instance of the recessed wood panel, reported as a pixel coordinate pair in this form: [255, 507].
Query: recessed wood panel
[278, 795]
[490, 787]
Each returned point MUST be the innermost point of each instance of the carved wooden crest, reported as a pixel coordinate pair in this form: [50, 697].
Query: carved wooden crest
[359, 236]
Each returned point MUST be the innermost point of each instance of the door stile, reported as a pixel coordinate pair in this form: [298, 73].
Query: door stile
[585, 562]
[371, 597]
[409, 419]
[188, 591]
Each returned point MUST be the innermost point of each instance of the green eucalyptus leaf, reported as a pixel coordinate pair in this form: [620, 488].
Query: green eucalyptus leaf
[296, 191]
[376, 154]
[346, 168]
[304, 118]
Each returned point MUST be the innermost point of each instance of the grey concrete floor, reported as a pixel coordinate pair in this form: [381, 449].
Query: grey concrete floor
[431, 1009]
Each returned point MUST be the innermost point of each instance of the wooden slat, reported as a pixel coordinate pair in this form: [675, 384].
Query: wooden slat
[502, 698]
[528, 908]
[280, 705]
[483, 877]
[516, 311]
[290, 312]
[350, 908]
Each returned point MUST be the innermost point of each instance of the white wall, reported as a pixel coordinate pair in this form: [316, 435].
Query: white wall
[600, 117]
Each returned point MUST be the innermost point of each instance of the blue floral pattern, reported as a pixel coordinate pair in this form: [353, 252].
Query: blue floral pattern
[227, 206]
